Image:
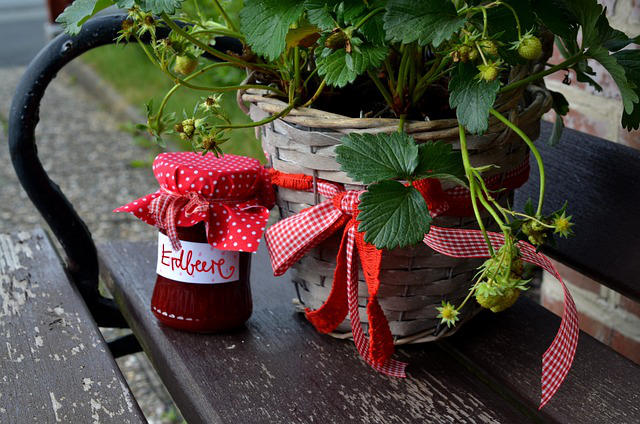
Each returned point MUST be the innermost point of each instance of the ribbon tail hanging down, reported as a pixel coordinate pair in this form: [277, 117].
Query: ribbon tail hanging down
[390, 367]
[381, 345]
[557, 360]
[334, 310]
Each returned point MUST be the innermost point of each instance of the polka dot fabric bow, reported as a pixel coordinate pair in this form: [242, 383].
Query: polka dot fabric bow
[232, 195]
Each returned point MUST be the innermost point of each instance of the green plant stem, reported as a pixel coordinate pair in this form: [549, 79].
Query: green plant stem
[296, 70]
[224, 15]
[432, 75]
[369, 16]
[514, 213]
[316, 94]
[380, 85]
[489, 195]
[220, 31]
[485, 22]
[472, 186]
[306, 81]
[484, 60]
[534, 150]
[174, 27]
[515, 15]
[178, 85]
[489, 208]
[403, 119]
[271, 118]
[402, 72]
[390, 73]
[184, 82]
[567, 63]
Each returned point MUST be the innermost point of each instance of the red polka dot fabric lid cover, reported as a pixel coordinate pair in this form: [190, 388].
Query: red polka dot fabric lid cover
[237, 190]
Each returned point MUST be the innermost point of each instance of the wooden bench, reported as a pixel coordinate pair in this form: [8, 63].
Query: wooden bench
[56, 367]
[279, 369]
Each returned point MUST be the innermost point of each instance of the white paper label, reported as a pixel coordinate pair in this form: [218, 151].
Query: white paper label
[197, 263]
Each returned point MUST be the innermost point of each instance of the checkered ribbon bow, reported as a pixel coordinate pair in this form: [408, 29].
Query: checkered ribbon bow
[165, 209]
[290, 239]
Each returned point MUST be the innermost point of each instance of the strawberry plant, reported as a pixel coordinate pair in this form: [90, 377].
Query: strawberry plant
[326, 53]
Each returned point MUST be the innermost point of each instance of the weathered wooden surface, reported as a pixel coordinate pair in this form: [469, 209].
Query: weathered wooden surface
[279, 369]
[602, 386]
[601, 181]
[54, 363]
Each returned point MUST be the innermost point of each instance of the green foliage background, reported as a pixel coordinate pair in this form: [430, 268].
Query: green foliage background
[128, 69]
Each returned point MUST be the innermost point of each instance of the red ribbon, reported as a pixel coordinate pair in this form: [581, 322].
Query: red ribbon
[291, 238]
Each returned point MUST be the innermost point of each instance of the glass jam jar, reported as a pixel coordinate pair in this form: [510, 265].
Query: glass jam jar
[211, 213]
[204, 306]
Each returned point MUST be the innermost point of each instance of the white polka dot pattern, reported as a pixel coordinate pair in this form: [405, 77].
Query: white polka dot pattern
[237, 189]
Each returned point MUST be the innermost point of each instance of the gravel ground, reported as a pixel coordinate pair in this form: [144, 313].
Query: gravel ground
[83, 150]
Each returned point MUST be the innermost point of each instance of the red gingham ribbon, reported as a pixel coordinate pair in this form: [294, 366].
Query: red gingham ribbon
[290, 239]
[165, 209]
[391, 366]
[557, 360]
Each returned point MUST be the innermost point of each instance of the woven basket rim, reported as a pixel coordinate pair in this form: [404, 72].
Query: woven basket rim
[506, 103]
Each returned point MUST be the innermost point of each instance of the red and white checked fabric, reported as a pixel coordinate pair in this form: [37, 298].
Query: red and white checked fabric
[557, 360]
[390, 367]
[290, 239]
[231, 194]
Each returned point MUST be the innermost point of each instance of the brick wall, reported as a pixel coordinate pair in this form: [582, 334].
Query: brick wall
[604, 314]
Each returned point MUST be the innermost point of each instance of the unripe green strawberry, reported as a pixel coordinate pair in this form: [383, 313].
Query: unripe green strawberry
[537, 226]
[507, 299]
[462, 54]
[537, 238]
[517, 268]
[337, 40]
[489, 72]
[185, 65]
[489, 47]
[209, 143]
[473, 54]
[487, 302]
[530, 47]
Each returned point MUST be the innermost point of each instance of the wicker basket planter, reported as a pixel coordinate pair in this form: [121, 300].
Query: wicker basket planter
[414, 280]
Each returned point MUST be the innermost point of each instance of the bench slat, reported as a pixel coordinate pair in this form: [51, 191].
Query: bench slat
[602, 386]
[55, 365]
[279, 369]
[601, 181]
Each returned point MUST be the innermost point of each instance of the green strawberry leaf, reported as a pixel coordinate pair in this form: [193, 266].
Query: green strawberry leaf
[79, 12]
[265, 24]
[319, 13]
[373, 157]
[556, 131]
[472, 97]
[341, 68]
[158, 7]
[627, 87]
[428, 22]
[560, 103]
[596, 30]
[373, 28]
[393, 215]
[556, 17]
[630, 61]
[438, 160]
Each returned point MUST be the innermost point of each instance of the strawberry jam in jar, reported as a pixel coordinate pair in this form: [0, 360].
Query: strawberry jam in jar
[200, 288]
[211, 213]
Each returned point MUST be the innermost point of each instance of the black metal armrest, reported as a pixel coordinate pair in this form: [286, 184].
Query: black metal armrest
[68, 227]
